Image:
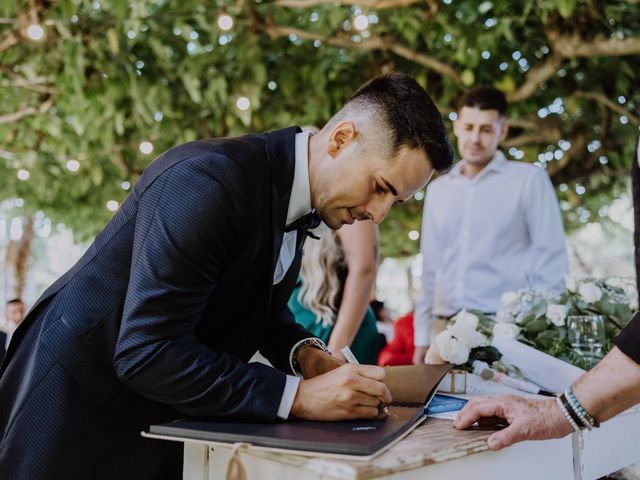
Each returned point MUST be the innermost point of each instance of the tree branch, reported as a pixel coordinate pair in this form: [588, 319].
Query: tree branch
[424, 60]
[374, 4]
[120, 162]
[7, 155]
[571, 46]
[607, 102]
[536, 77]
[25, 112]
[566, 46]
[525, 124]
[545, 137]
[8, 41]
[559, 169]
[373, 43]
[37, 84]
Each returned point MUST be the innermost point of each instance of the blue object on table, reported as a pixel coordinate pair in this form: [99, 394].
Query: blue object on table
[444, 403]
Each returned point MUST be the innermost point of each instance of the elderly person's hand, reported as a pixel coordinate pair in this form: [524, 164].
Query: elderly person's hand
[528, 419]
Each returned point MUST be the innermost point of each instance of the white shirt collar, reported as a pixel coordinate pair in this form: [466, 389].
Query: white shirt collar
[497, 164]
[300, 201]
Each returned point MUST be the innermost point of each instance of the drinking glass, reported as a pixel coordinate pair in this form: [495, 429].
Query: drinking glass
[586, 335]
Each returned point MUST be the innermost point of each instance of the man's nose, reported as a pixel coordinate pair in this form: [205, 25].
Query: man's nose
[475, 136]
[378, 210]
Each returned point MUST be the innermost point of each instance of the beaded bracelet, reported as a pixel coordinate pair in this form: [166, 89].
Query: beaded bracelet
[574, 414]
[566, 414]
[580, 410]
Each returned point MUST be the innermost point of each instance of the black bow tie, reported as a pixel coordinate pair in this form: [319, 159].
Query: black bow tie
[305, 223]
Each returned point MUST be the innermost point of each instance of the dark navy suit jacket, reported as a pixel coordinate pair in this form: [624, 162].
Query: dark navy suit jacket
[158, 318]
[3, 340]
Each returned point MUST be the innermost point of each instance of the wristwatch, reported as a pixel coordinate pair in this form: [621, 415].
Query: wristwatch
[311, 342]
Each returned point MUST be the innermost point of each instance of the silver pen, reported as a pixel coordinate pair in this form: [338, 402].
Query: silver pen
[351, 358]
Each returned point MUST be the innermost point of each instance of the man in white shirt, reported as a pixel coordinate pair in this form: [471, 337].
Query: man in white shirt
[489, 225]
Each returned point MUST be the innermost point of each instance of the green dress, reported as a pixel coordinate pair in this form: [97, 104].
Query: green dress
[367, 343]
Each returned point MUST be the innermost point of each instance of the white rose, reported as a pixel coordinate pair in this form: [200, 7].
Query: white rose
[557, 314]
[502, 316]
[469, 336]
[451, 348]
[466, 320]
[590, 293]
[510, 300]
[571, 283]
[506, 329]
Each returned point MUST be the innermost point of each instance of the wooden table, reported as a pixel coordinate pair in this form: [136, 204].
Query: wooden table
[437, 450]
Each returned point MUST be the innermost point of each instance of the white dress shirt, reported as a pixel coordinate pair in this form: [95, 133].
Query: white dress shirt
[299, 205]
[498, 231]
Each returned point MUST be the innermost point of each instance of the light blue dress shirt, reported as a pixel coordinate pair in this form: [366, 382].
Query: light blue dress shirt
[499, 231]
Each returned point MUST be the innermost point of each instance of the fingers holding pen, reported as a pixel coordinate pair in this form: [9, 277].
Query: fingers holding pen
[350, 391]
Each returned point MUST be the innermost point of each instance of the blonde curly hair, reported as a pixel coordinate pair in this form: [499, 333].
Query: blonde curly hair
[319, 274]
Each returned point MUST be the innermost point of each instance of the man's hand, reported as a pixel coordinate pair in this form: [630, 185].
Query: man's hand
[348, 392]
[313, 362]
[528, 419]
[418, 355]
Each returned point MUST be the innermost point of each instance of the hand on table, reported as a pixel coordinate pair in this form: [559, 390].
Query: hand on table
[348, 392]
[528, 419]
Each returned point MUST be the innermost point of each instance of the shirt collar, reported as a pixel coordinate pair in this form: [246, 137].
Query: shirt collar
[497, 164]
[300, 201]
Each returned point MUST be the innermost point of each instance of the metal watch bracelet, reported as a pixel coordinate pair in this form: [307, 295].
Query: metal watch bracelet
[310, 342]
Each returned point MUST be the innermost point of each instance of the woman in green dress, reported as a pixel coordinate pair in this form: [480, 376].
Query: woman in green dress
[331, 299]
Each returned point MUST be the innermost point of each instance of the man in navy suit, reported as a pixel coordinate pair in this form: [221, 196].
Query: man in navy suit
[191, 277]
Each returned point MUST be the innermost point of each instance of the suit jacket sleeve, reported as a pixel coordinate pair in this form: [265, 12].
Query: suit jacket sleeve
[184, 234]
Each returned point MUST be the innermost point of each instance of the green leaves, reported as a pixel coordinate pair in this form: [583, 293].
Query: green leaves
[536, 325]
[124, 71]
[566, 7]
[192, 85]
[485, 354]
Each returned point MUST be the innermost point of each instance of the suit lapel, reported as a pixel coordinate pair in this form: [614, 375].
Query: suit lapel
[281, 154]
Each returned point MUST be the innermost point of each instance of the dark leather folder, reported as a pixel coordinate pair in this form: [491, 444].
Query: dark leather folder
[411, 387]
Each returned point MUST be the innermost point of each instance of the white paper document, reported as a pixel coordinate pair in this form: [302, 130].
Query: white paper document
[549, 372]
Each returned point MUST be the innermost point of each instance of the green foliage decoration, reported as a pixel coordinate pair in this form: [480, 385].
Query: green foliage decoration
[110, 74]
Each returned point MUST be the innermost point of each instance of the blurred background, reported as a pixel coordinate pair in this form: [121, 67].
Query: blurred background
[92, 91]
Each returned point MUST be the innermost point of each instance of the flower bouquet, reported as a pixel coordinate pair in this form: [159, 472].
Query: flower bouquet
[539, 319]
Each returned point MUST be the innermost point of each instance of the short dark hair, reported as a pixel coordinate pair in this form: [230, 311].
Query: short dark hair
[412, 117]
[484, 97]
[14, 300]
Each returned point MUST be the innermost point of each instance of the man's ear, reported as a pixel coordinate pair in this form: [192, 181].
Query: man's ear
[343, 134]
[504, 131]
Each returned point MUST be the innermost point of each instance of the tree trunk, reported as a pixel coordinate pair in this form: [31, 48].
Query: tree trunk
[17, 261]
